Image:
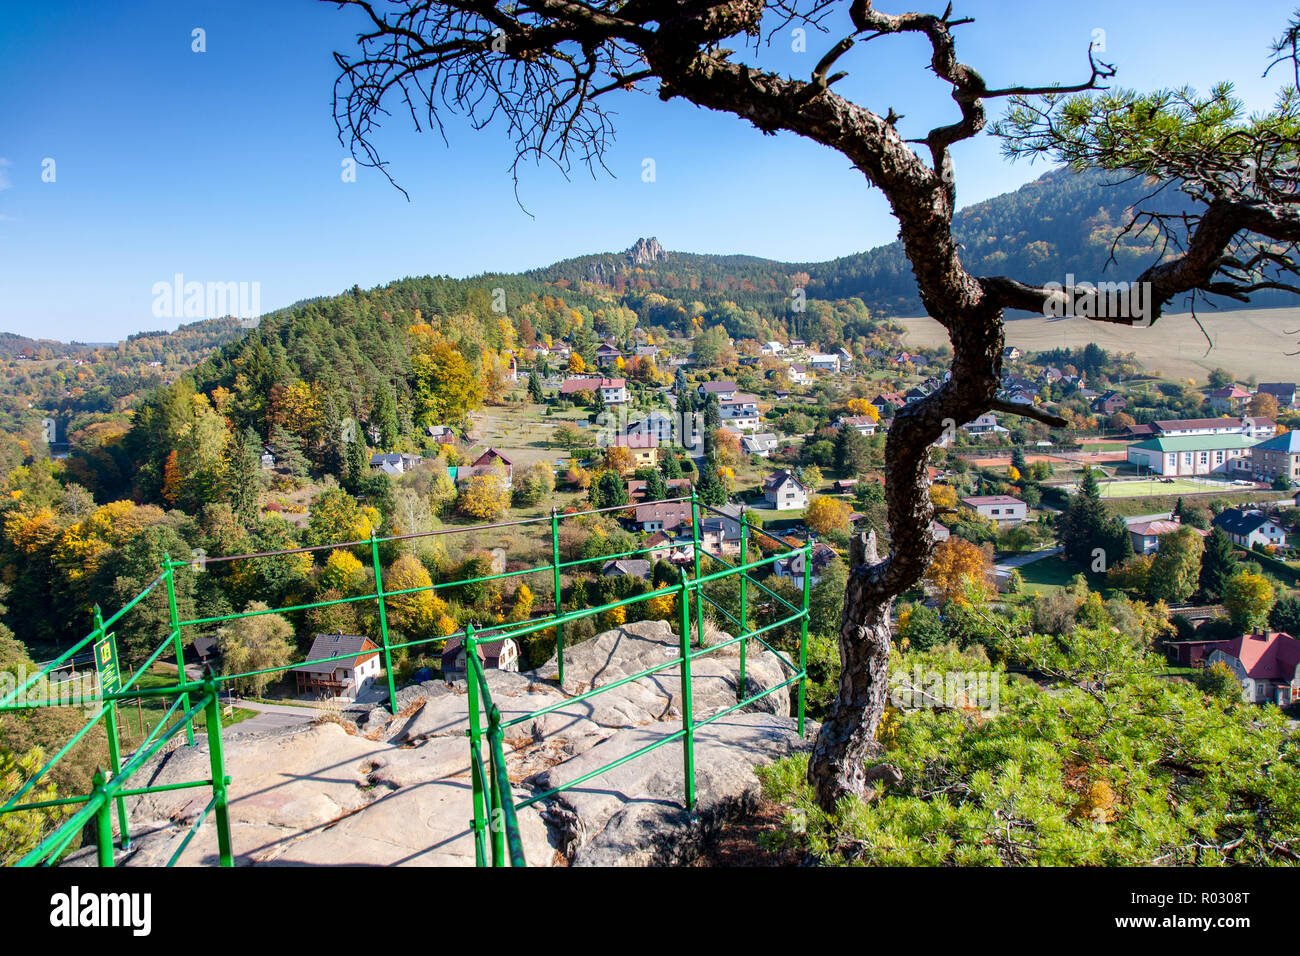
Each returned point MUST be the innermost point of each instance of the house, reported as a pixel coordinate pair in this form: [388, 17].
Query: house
[612, 390]
[1003, 509]
[267, 459]
[1050, 375]
[785, 492]
[844, 486]
[798, 344]
[939, 532]
[791, 566]
[739, 411]
[1146, 534]
[677, 487]
[1020, 396]
[393, 463]
[762, 444]
[1192, 454]
[501, 654]
[1249, 528]
[490, 460]
[1011, 354]
[1230, 399]
[1108, 403]
[658, 424]
[627, 567]
[357, 668]
[846, 357]
[798, 374]
[1284, 392]
[1258, 427]
[441, 434]
[606, 354]
[663, 515]
[772, 348]
[1265, 663]
[888, 400]
[985, 424]
[720, 533]
[724, 390]
[824, 363]
[647, 353]
[863, 424]
[1278, 457]
[643, 448]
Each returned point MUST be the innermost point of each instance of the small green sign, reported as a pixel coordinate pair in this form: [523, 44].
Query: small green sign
[110, 678]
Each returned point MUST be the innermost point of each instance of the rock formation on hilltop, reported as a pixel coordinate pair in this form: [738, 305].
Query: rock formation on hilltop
[646, 251]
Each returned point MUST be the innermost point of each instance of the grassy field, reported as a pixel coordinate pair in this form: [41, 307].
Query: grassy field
[1053, 574]
[1148, 488]
[1249, 342]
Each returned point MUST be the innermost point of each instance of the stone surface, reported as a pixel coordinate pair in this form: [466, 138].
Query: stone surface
[396, 791]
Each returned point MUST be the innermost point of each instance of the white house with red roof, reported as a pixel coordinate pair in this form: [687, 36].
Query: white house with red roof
[1266, 663]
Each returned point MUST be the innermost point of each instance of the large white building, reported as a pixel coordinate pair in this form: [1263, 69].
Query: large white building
[1192, 454]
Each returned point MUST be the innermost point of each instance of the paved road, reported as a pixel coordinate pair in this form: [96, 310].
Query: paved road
[270, 717]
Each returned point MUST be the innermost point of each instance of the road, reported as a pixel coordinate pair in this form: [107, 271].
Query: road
[1007, 565]
[270, 717]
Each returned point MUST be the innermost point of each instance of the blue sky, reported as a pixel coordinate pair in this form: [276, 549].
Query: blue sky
[224, 166]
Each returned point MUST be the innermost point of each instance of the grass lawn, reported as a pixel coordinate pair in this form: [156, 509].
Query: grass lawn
[1152, 487]
[1053, 574]
[151, 709]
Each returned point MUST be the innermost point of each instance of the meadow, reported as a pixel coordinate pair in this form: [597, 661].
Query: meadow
[1248, 342]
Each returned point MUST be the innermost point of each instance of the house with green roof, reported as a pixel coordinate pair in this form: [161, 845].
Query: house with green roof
[1193, 455]
[1279, 457]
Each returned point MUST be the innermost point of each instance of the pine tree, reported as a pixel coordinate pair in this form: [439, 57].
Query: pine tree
[1018, 459]
[535, 389]
[1218, 564]
[710, 487]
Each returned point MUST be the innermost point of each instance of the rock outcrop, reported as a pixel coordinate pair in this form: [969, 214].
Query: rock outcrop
[396, 791]
[646, 251]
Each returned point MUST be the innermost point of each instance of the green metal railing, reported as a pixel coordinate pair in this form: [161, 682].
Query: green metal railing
[495, 828]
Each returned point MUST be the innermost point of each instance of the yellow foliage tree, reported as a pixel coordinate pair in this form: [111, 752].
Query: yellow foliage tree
[576, 364]
[943, 496]
[826, 515]
[487, 496]
[959, 565]
[343, 572]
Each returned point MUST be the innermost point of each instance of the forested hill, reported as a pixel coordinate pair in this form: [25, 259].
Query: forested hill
[1060, 223]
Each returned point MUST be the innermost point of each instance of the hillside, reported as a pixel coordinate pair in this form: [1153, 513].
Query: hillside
[1061, 222]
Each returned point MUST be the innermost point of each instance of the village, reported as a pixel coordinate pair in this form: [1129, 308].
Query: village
[786, 440]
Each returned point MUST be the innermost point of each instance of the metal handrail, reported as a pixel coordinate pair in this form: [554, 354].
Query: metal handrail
[495, 823]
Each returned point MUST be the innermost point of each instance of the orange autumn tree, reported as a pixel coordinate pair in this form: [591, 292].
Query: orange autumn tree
[958, 566]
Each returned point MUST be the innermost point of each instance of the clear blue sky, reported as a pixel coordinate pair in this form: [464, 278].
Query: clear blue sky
[224, 166]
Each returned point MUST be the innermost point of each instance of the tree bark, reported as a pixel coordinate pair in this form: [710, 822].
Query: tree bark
[847, 739]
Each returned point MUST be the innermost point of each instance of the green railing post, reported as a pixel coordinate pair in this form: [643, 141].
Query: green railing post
[217, 758]
[476, 783]
[698, 544]
[383, 623]
[688, 731]
[169, 572]
[496, 814]
[114, 743]
[103, 821]
[803, 632]
[555, 577]
[744, 599]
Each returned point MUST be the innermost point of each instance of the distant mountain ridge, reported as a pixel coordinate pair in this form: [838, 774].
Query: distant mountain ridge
[1060, 223]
